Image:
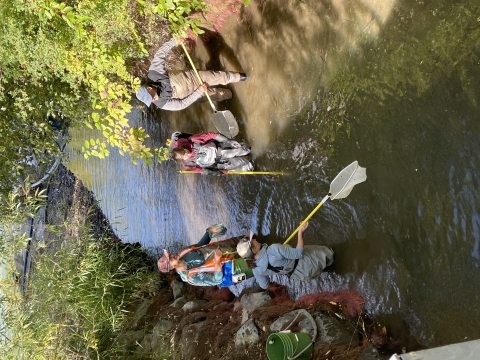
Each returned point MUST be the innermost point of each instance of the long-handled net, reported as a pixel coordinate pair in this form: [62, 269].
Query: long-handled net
[340, 188]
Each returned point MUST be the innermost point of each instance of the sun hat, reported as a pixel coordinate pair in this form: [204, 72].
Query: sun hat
[244, 248]
[144, 96]
[164, 262]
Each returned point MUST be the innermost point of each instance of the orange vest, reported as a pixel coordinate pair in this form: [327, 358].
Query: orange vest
[185, 251]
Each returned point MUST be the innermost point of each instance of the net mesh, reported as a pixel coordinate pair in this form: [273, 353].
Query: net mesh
[225, 123]
[343, 184]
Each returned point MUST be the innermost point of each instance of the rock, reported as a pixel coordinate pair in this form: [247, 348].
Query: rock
[221, 305]
[247, 334]
[178, 303]
[162, 328]
[191, 341]
[237, 306]
[140, 313]
[252, 301]
[160, 344]
[370, 353]
[193, 304]
[331, 330]
[146, 344]
[298, 318]
[177, 287]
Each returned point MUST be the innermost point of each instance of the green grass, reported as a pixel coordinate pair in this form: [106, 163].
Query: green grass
[76, 301]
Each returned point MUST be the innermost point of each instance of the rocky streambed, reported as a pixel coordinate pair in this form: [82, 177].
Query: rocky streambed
[186, 322]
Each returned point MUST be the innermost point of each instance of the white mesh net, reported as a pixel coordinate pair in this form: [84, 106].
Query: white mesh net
[343, 184]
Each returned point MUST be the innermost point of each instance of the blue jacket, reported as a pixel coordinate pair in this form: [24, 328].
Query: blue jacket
[277, 255]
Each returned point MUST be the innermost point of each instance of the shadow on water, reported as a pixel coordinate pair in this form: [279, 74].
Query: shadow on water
[413, 119]
[391, 84]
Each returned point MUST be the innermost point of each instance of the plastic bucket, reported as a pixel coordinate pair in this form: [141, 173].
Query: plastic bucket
[240, 266]
[282, 346]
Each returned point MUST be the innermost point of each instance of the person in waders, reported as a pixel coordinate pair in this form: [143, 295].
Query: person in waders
[178, 89]
[205, 263]
[301, 263]
[209, 153]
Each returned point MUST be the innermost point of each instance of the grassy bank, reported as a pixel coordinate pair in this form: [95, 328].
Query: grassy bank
[83, 283]
[78, 299]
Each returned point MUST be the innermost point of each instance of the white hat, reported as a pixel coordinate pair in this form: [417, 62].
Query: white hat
[144, 96]
[243, 247]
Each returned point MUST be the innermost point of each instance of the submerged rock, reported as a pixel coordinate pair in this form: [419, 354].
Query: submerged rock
[333, 331]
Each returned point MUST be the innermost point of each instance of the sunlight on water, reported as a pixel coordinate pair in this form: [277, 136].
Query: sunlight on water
[390, 84]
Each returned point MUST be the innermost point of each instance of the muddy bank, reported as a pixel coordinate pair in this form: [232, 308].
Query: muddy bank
[70, 206]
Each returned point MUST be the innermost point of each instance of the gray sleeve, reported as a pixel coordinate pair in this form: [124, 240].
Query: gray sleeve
[262, 279]
[158, 62]
[285, 251]
[179, 104]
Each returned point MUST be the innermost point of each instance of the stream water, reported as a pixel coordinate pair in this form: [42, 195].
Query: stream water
[392, 84]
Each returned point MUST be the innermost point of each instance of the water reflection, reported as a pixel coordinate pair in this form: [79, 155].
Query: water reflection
[392, 85]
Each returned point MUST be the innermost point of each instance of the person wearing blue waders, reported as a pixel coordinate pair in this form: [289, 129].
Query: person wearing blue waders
[301, 263]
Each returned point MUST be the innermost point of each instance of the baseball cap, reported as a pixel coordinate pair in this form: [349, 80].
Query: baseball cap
[164, 262]
[244, 248]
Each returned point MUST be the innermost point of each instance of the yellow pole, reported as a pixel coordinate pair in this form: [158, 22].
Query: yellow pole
[229, 253]
[198, 76]
[307, 218]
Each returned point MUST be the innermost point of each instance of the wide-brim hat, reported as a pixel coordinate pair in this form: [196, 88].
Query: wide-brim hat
[244, 248]
[144, 96]
[164, 262]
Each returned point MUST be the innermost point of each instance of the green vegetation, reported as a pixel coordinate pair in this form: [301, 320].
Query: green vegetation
[14, 211]
[77, 300]
[76, 59]
[176, 12]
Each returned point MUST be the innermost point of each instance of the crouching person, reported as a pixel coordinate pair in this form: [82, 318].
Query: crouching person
[301, 262]
[205, 263]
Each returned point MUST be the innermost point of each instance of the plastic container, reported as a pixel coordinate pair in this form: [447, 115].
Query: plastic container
[287, 345]
[240, 266]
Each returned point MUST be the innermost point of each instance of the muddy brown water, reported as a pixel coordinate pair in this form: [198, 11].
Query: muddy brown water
[392, 84]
